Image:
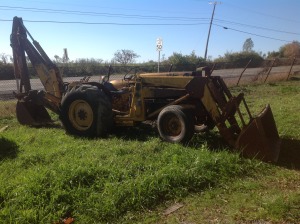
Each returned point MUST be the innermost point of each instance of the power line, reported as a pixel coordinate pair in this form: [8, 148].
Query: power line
[59, 11]
[256, 27]
[263, 14]
[117, 24]
[143, 24]
[253, 34]
[107, 23]
[120, 15]
[163, 10]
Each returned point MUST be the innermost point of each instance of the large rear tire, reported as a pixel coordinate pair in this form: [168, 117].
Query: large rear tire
[174, 125]
[86, 111]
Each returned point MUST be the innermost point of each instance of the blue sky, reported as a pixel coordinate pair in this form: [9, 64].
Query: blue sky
[136, 24]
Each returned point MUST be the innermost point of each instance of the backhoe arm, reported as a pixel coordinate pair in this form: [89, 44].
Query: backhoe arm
[31, 103]
[46, 70]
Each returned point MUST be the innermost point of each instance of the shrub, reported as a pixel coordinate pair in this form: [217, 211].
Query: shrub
[240, 59]
[6, 72]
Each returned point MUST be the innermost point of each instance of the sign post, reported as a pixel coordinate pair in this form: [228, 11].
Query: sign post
[159, 44]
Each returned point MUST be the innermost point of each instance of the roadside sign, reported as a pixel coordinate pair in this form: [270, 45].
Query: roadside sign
[159, 44]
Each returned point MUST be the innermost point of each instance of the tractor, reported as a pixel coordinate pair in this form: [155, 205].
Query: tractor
[180, 103]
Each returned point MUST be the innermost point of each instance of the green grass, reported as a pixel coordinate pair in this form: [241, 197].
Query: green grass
[132, 177]
[270, 197]
[100, 180]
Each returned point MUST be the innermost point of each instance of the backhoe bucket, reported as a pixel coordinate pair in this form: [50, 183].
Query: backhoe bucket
[29, 113]
[260, 138]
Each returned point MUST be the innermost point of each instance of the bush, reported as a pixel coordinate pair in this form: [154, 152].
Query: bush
[6, 72]
[182, 62]
[240, 59]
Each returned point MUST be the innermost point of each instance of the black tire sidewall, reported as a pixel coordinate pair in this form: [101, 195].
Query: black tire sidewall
[96, 100]
[187, 124]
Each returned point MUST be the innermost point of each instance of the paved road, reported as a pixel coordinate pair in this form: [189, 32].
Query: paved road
[8, 86]
[254, 71]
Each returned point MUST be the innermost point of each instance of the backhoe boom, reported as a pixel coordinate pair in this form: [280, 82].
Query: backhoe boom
[45, 69]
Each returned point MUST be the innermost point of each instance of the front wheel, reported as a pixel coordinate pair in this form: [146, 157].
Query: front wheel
[174, 125]
[86, 111]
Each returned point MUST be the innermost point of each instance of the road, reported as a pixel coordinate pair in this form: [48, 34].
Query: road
[8, 86]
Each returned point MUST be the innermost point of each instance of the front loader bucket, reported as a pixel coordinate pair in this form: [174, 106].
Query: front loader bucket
[29, 113]
[260, 138]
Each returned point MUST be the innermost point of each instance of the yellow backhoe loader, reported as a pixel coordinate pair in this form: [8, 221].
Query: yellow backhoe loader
[181, 103]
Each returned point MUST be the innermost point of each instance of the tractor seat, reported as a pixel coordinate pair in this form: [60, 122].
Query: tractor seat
[113, 90]
[110, 87]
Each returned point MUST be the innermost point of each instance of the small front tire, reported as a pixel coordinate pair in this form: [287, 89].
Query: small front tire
[174, 125]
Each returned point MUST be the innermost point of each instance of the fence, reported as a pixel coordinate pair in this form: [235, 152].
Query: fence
[269, 71]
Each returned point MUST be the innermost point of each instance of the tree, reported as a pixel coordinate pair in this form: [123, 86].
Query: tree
[57, 59]
[125, 57]
[248, 45]
[290, 50]
[65, 57]
[4, 57]
[240, 59]
[185, 62]
[274, 54]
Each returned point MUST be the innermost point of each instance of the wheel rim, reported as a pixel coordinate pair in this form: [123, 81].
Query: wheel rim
[172, 125]
[81, 115]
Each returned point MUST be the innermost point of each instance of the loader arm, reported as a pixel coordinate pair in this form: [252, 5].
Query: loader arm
[255, 137]
[31, 103]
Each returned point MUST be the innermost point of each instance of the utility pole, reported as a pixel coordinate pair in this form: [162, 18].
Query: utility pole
[211, 20]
